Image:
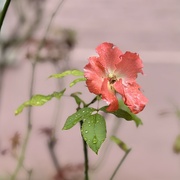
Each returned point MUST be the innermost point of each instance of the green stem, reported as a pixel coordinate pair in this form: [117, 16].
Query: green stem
[29, 128]
[120, 163]
[86, 161]
[93, 101]
[3, 13]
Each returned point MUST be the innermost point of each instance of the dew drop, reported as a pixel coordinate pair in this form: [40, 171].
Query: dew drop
[94, 141]
[86, 131]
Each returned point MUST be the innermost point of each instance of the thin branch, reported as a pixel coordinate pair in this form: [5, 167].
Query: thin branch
[49, 24]
[120, 163]
[3, 13]
[29, 128]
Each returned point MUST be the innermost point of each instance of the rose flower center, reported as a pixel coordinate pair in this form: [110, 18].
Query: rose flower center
[112, 78]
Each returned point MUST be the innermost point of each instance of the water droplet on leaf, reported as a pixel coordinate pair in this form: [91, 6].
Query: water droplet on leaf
[94, 140]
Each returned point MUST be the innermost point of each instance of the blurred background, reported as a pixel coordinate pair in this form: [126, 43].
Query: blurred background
[40, 38]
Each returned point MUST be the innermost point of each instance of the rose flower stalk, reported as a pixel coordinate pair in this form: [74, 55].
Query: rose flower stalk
[113, 72]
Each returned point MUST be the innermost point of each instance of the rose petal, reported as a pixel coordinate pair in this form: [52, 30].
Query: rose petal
[108, 55]
[134, 98]
[108, 95]
[129, 66]
[94, 72]
[118, 86]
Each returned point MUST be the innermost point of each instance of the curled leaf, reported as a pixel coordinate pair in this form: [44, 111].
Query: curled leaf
[39, 100]
[120, 143]
[76, 81]
[124, 113]
[77, 98]
[74, 72]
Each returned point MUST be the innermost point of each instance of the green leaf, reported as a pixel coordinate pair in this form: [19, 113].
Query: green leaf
[74, 72]
[120, 143]
[126, 114]
[39, 100]
[78, 116]
[176, 146]
[135, 118]
[94, 131]
[77, 98]
[76, 81]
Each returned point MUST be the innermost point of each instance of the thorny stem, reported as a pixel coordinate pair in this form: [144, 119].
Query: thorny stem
[86, 161]
[120, 163]
[29, 128]
[4, 11]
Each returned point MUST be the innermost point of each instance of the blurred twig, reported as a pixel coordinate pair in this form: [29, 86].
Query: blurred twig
[49, 25]
[29, 126]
